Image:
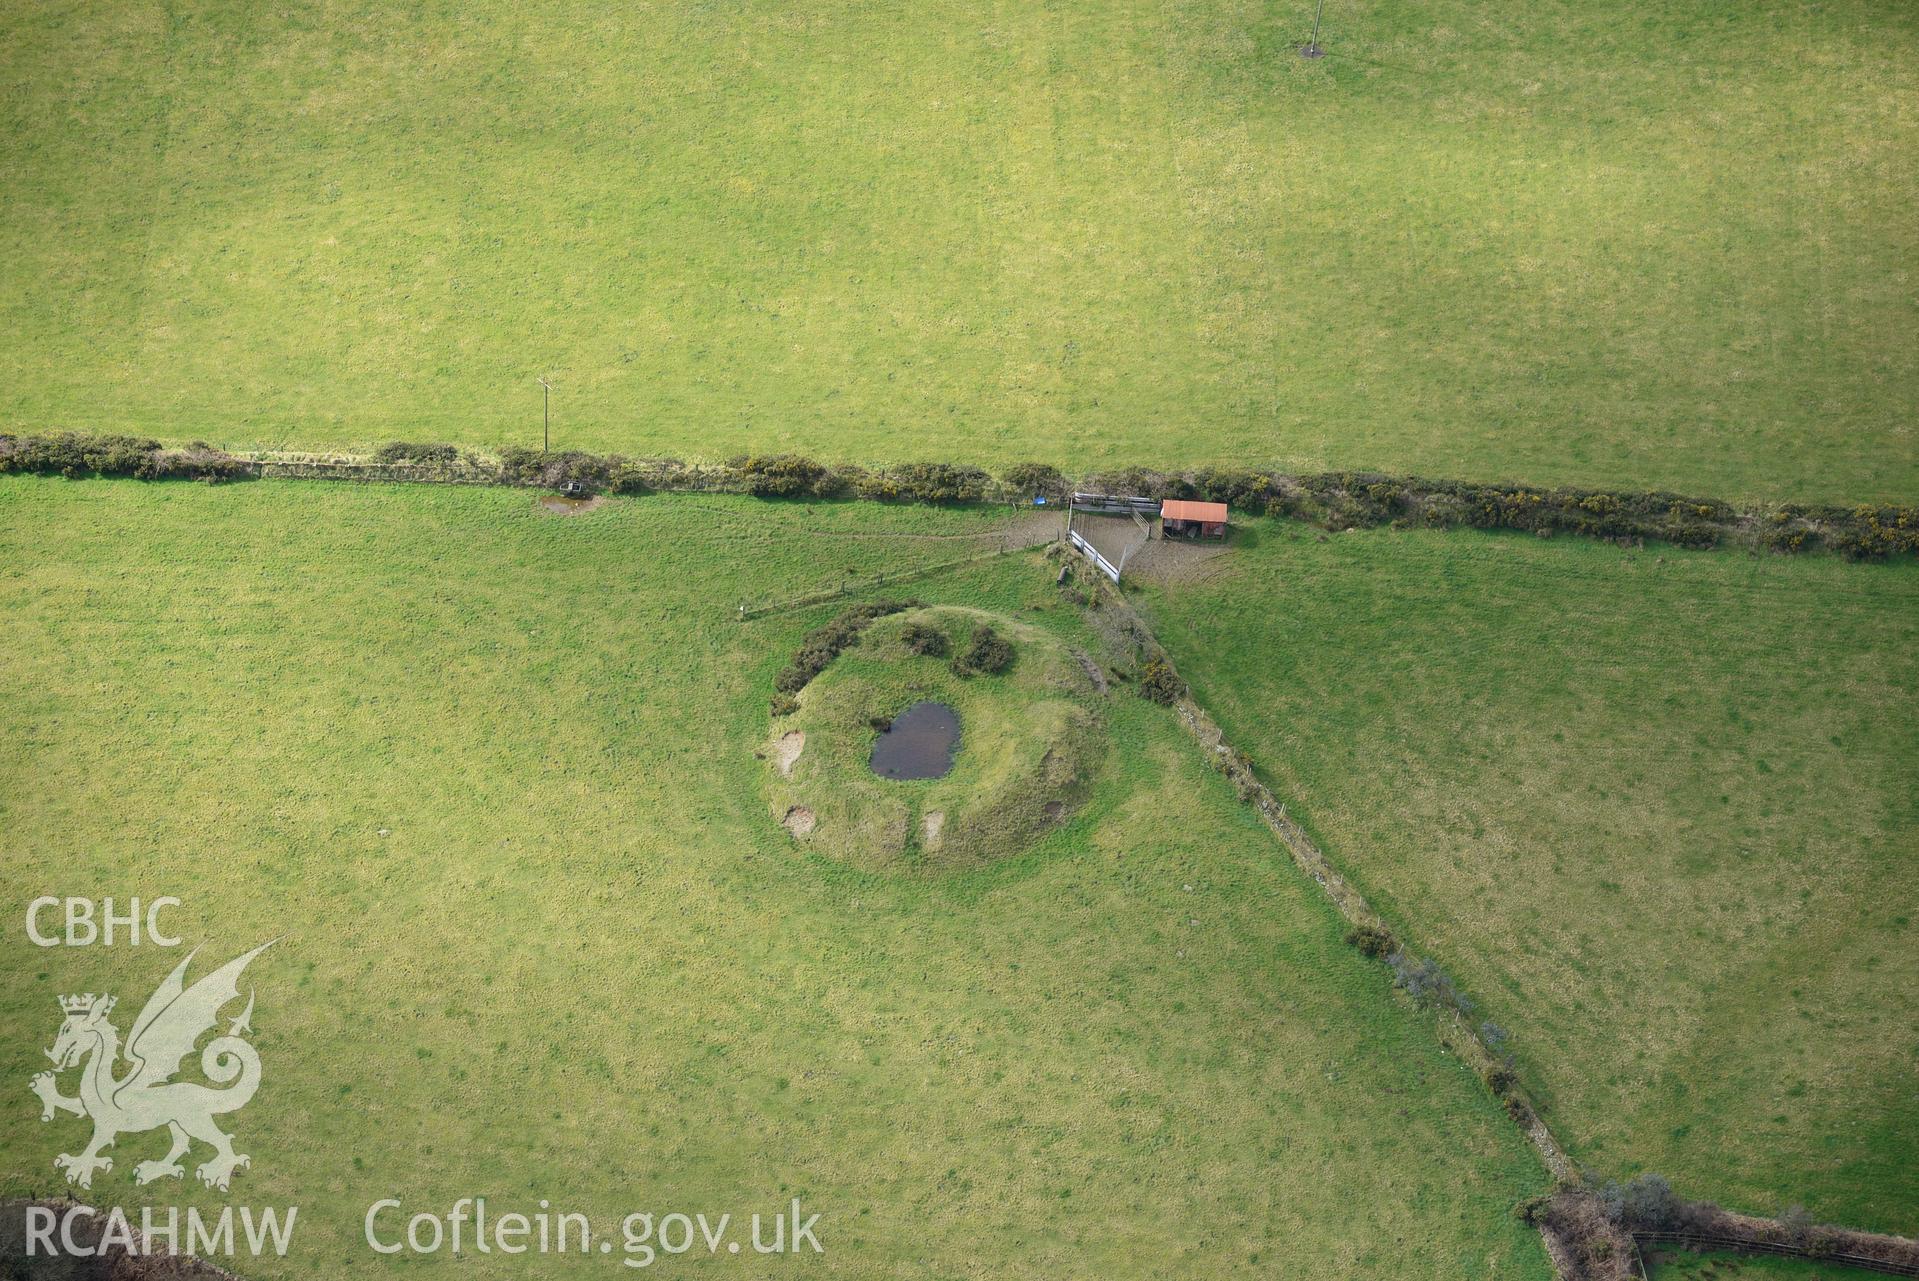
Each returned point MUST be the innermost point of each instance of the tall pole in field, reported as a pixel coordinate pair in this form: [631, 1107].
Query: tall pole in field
[1312, 49]
[546, 416]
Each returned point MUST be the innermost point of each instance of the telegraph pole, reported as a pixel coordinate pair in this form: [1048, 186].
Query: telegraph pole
[546, 418]
[1312, 49]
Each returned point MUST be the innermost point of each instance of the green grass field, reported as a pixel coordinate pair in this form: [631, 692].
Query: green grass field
[506, 784]
[490, 774]
[1721, 1265]
[1655, 811]
[1664, 245]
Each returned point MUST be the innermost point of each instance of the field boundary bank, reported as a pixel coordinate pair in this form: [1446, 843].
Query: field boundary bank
[1602, 1235]
[1752, 1245]
[1339, 500]
[1456, 1033]
[323, 469]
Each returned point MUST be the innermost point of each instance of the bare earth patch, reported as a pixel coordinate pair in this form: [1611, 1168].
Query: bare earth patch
[1170, 562]
[561, 505]
[1120, 539]
[799, 820]
[787, 751]
[931, 827]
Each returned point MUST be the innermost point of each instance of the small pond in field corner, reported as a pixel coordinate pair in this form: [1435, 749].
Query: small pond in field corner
[918, 744]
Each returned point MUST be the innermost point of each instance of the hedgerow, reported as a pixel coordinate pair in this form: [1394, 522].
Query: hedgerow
[1036, 479]
[534, 467]
[74, 454]
[1332, 500]
[1357, 499]
[925, 483]
[1870, 533]
[786, 476]
[1429, 986]
[431, 453]
[1594, 1227]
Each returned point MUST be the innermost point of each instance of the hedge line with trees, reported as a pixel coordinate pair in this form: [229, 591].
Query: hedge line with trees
[1353, 499]
[1593, 1226]
[1332, 500]
[73, 455]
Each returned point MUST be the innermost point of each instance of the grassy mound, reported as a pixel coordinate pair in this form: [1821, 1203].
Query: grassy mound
[1029, 744]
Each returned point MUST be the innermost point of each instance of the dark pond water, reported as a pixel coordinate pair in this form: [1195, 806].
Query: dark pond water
[919, 743]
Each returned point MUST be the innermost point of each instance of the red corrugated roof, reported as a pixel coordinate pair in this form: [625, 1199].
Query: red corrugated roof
[1180, 509]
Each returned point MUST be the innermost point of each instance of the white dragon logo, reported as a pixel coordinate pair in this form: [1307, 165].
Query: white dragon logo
[174, 1017]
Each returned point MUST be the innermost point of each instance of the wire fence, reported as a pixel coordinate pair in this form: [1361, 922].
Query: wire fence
[1750, 1245]
[850, 586]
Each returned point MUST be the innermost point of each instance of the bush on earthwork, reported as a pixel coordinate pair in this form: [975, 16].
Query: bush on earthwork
[1372, 940]
[823, 644]
[924, 640]
[1159, 683]
[986, 654]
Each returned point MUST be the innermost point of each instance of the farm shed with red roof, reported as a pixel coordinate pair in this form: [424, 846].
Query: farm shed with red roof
[1179, 518]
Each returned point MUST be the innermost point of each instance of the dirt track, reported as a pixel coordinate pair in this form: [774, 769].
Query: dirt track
[1160, 560]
